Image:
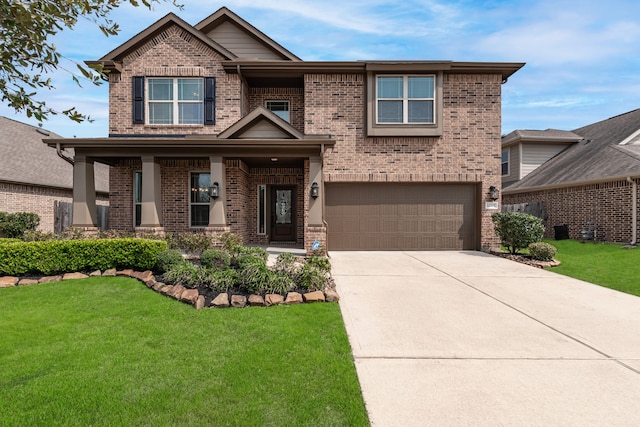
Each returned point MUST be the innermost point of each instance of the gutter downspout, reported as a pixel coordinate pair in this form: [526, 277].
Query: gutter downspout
[62, 156]
[634, 212]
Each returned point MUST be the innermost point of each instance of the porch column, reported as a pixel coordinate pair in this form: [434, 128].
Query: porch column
[84, 193]
[218, 207]
[151, 193]
[315, 205]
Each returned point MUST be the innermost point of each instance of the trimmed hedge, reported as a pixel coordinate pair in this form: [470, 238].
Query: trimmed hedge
[63, 256]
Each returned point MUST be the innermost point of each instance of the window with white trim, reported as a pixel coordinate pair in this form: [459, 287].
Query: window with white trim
[199, 199]
[405, 99]
[137, 199]
[172, 101]
[279, 108]
[505, 162]
[262, 209]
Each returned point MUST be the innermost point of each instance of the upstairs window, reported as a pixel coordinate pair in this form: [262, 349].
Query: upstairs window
[405, 99]
[505, 162]
[280, 109]
[173, 101]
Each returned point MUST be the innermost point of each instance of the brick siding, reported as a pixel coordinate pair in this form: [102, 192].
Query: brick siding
[607, 204]
[39, 200]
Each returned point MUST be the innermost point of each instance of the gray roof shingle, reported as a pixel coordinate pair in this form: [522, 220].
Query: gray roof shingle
[25, 159]
[597, 157]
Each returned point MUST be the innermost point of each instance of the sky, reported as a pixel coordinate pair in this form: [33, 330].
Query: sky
[582, 57]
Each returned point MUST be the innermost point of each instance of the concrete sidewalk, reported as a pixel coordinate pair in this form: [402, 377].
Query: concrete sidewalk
[466, 338]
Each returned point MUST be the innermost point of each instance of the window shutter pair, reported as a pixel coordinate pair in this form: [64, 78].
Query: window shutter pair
[209, 100]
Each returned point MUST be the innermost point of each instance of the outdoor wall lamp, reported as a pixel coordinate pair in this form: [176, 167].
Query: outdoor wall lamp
[315, 190]
[214, 190]
[494, 193]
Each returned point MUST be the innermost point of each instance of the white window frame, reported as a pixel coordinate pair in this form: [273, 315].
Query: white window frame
[198, 203]
[261, 189]
[508, 162]
[175, 102]
[405, 100]
[136, 203]
[280, 101]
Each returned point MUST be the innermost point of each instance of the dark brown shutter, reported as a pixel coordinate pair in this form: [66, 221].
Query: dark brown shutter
[138, 100]
[209, 100]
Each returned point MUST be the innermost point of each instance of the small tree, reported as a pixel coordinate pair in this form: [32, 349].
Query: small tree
[517, 230]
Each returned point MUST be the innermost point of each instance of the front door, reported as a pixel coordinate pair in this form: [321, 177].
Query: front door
[283, 214]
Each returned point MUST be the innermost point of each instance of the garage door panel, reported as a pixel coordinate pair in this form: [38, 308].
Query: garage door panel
[395, 216]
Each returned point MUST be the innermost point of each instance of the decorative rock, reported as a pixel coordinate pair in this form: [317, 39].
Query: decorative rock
[222, 300]
[109, 272]
[200, 302]
[126, 272]
[256, 301]
[8, 281]
[73, 276]
[96, 273]
[316, 296]
[177, 291]
[273, 299]
[24, 282]
[238, 301]
[190, 296]
[49, 279]
[331, 296]
[143, 276]
[167, 290]
[150, 283]
[157, 286]
[293, 298]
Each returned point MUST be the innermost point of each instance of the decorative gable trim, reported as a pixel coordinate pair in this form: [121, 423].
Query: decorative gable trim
[223, 15]
[255, 121]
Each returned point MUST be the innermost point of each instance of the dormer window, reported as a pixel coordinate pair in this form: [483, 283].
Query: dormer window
[280, 109]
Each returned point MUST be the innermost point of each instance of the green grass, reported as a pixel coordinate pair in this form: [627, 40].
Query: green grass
[110, 352]
[607, 265]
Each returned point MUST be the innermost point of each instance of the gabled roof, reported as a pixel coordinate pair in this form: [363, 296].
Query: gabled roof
[224, 15]
[542, 136]
[261, 124]
[27, 160]
[115, 56]
[597, 157]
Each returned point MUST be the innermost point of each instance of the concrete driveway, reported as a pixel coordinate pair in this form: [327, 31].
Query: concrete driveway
[466, 338]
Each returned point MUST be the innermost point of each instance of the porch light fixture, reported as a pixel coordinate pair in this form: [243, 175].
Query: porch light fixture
[214, 190]
[494, 193]
[315, 190]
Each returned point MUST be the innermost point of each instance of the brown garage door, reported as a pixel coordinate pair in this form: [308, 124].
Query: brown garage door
[400, 216]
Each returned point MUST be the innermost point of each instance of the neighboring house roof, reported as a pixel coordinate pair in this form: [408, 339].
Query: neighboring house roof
[548, 135]
[597, 157]
[25, 159]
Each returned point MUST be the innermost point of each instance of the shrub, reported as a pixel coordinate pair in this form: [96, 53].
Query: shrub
[216, 259]
[230, 241]
[320, 262]
[62, 256]
[224, 280]
[14, 225]
[255, 278]
[183, 273]
[542, 251]
[167, 259]
[195, 243]
[517, 230]
[311, 278]
[280, 283]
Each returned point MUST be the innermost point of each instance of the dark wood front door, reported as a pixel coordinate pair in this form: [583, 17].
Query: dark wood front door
[283, 214]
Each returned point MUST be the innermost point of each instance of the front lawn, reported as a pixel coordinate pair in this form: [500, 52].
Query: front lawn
[603, 264]
[109, 351]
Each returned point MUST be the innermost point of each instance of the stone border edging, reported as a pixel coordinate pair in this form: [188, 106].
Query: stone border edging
[186, 295]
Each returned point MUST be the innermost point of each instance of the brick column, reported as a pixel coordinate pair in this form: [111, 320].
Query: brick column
[84, 194]
[151, 194]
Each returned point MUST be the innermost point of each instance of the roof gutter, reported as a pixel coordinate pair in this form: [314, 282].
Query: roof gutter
[62, 156]
[634, 210]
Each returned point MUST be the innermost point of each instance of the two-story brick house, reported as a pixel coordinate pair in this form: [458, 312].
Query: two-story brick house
[216, 127]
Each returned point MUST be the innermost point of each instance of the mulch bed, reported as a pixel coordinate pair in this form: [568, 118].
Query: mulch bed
[526, 259]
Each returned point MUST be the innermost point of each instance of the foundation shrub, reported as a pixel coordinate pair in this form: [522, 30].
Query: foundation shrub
[167, 259]
[517, 230]
[542, 251]
[215, 258]
[14, 225]
[195, 243]
[62, 256]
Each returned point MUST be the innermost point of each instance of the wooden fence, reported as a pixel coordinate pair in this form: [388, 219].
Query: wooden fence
[63, 214]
